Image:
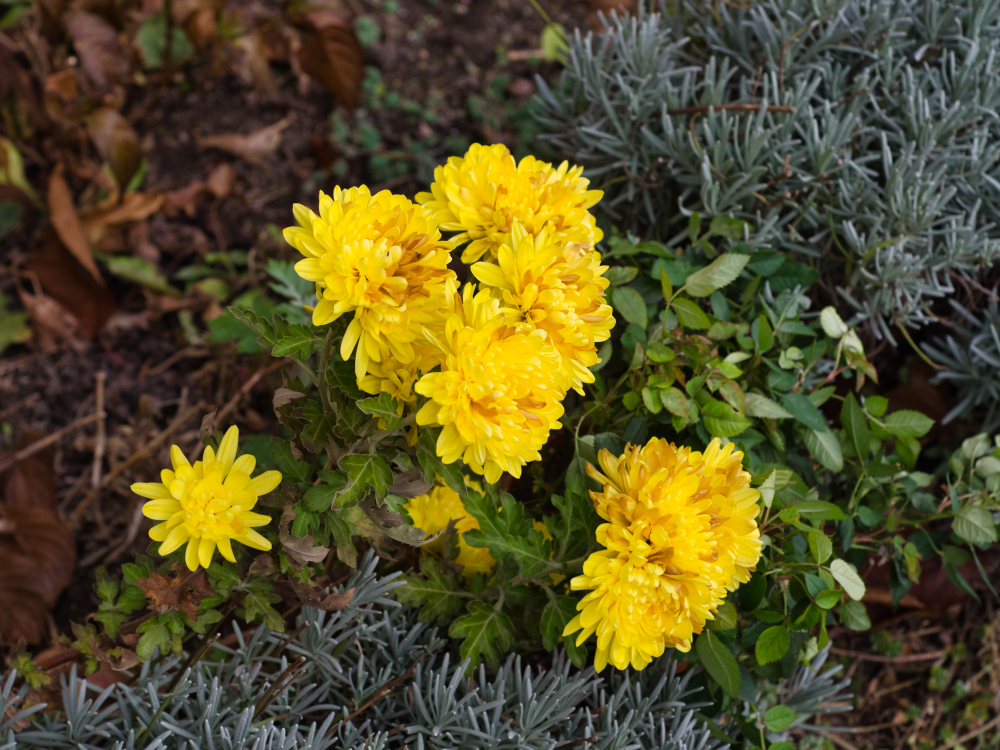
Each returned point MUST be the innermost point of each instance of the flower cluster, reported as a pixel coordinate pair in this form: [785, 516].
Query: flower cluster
[493, 364]
[680, 534]
[209, 504]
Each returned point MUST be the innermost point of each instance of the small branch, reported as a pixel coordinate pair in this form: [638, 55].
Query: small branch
[151, 446]
[15, 407]
[44, 442]
[972, 735]
[378, 695]
[247, 387]
[907, 659]
[284, 681]
[700, 109]
[101, 439]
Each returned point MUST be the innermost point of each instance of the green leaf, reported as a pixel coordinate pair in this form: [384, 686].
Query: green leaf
[507, 534]
[728, 226]
[876, 405]
[553, 43]
[433, 467]
[258, 602]
[139, 271]
[804, 411]
[825, 448]
[906, 423]
[364, 470]
[631, 305]
[487, 633]
[151, 39]
[659, 353]
[291, 469]
[827, 599]
[689, 314]
[320, 497]
[779, 718]
[619, 275]
[341, 375]
[772, 644]
[383, 407]
[296, 341]
[571, 530]
[846, 575]
[818, 510]
[155, 634]
[721, 420]
[855, 425]
[855, 616]
[434, 591]
[725, 617]
[821, 547]
[651, 398]
[555, 617]
[975, 525]
[719, 662]
[762, 406]
[722, 271]
[763, 336]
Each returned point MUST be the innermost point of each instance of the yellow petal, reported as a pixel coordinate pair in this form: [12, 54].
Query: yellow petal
[253, 520]
[227, 449]
[252, 539]
[152, 490]
[175, 539]
[351, 336]
[226, 549]
[191, 555]
[245, 464]
[264, 483]
[206, 548]
[162, 509]
[159, 532]
[236, 481]
[177, 458]
[491, 275]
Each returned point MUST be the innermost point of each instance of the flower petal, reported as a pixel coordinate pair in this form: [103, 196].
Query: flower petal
[177, 458]
[226, 549]
[206, 548]
[227, 449]
[175, 539]
[162, 509]
[252, 539]
[245, 463]
[152, 490]
[264, 483]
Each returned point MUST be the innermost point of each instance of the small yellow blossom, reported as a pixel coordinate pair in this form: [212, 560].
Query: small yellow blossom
[482, 193]
[378, 256]
[555, 286]
[209, 504]
[433, 512]
[680, 535]
[498, 393]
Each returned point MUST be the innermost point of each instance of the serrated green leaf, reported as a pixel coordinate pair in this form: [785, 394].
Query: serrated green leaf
[292, 340]
[772, 644]
[779, 718]
[818, 510]
[258, 601]
[763, 336]
[725, 617]
[825, 448]
[291, 468]
[908, 424]
[364, 470]
[434, 591]
[718, 274]
[689, 314]
[427, 456]
[507, 534]
[855, 616]
[719, 662]
[762, 406]
[384, 407]
[855, 425]
[845, 574]
[728, 226]
[631, 305]
[804, 411]
[975, 525]
[821, 547]
[721, 420]
[487, 634]
[555, 617]
[320, 498]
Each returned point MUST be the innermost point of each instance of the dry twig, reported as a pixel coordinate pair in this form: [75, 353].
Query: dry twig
[45, 442]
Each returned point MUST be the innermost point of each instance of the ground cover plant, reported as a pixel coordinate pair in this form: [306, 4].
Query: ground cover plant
[614, 452]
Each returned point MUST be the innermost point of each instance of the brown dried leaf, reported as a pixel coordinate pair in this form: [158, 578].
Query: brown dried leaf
[117, 657]
[65, 219]
[221, 180]
[333, 55]
[116, 142]
[302, 550]
[30, 483]
[96, 43]
[253, 67]
[134, 207]
[253, 147]
[183, 591]
[184, 199]
[69, 284]
[284, 396]
[52, 323]
[317, 598]
[410, 484]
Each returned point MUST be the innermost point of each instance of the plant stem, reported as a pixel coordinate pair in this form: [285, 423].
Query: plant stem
[324, 362]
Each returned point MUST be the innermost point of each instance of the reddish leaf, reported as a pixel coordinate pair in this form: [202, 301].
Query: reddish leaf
[317, 598]
[333, 55]
[116, 142]
[221, 180]
[253, 147]
[69, 284]
[96, 43]
[65, 219]
[182, 591]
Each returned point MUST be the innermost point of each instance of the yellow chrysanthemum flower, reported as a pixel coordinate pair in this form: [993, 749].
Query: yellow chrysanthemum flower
[208, 505]
[482, 193]
[378, 256]
[434, 511]
[680, 534]
[398, 378]
[556, 286]
[498, 393]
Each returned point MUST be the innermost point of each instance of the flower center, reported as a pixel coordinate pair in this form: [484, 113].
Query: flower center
[210, 512]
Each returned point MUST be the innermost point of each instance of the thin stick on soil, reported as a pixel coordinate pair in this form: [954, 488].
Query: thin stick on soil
[151, 446]
[247, 387]
[44, 442]
[905, 659]
[101, 439]
[780, 108]
[14, 408]
[378, 695]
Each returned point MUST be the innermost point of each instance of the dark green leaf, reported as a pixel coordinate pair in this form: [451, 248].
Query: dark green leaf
[855, 425]
[719, 662]
[434, 591]
[804, 411]
[631, 305]
[825, 448]
[487, 634]
[975, 525]
[451, 474]
[383, 407]
[689, 314]
[854, 616]
[291, 469]
[364, 471]
[909, 424]
[779, 718]
[554, 619]
[320, 497]
[718, 274]
[721, 420]
[772, 644]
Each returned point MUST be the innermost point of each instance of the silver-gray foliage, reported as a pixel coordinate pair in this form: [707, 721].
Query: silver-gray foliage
[887, 172]
[348, 656]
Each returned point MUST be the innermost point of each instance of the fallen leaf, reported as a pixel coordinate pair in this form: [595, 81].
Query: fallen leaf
[15, 79]
[184, 199]
[63, 85]
[302, 550]
[133, 207]
[317, 598]
[253, 147]
[67, 222]
[96, 43]
[410, 484]
[118, 658]
[37, 551]
[66, 281]
[183, 591]
[333, 55]
[116, 141]
[253, 66]
[221, 180]
[53, 323]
